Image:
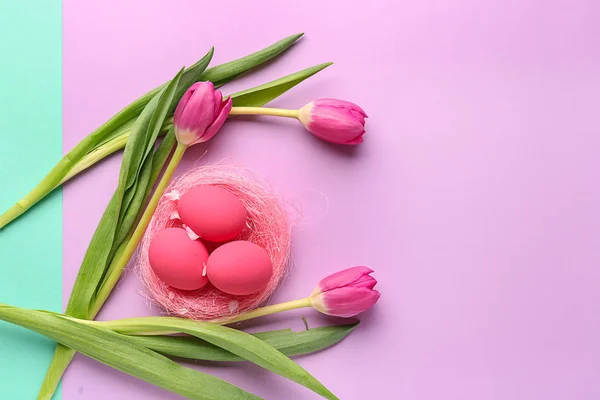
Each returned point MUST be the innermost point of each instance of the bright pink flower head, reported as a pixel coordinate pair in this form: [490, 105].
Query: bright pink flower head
[346, 293]
[335, 121]
[200, 113]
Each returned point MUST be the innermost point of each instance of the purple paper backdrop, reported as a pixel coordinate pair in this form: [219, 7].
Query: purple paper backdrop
[474, 197]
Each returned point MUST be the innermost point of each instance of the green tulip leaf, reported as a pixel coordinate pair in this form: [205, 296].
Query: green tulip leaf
[286, 341]
[125, 355]
[221, 74]
[119, 216]
[237, 342]
[261, 95]
[121, 122]
[119, 219]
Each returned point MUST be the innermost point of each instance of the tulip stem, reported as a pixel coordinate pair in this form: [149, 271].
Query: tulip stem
[261, 312]
[38, 193]
[122, 258]
[140, 330]
[276, 112]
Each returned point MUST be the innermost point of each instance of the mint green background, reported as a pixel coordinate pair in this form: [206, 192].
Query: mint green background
[30, 144]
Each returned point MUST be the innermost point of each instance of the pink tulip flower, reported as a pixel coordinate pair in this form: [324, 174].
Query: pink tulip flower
[335, 121]
[346, 293]
[200, 114]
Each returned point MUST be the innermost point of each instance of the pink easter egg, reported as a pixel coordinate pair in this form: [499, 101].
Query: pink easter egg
[178, 260]
[239, 268]
[213, 213]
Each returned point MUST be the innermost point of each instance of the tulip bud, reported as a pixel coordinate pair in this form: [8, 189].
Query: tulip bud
[335, 121]
[346, 293]
[200, 114]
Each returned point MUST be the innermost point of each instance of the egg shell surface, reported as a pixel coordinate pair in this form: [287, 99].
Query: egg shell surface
[212, 212]
[239, 268]
[177, 260]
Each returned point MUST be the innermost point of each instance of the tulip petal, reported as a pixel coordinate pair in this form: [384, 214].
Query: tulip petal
[199, 111]
[200, 114]
[349, 301]
[184, 100]
[218, 103]
[356, 140]
[218, 123]
[336, 125]
[365, 281]
[359, 117]
[328, 102]
[343, 278]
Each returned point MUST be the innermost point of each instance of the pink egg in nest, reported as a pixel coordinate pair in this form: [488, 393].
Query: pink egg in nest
[212, 212]
[266, 226]
[239, 267]
[178, 260]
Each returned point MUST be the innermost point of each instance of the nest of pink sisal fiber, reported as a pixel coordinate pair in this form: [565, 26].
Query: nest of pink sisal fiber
[266, 225]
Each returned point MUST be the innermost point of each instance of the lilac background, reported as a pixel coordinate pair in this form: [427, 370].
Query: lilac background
[474, 196]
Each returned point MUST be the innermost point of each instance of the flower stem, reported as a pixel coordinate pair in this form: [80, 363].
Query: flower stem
[276, 112]
[261, 312]
[136, 327]
[39, 192]
[118, 265]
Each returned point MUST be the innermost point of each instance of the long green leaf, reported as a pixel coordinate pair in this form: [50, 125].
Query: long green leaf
[221, 74]
[162, 153]
[286, 341]
[256, 96]
[134, 206]
[63, 355]
[151, 171]
[118, 220]
[124, 127]
[120, 122]
[125, 355]
[111, 226]
[261, 95]
[237, 342]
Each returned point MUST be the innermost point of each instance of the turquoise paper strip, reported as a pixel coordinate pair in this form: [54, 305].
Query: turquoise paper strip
[30, 144]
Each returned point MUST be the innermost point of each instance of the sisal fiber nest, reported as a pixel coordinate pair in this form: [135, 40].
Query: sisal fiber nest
[266, 225]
